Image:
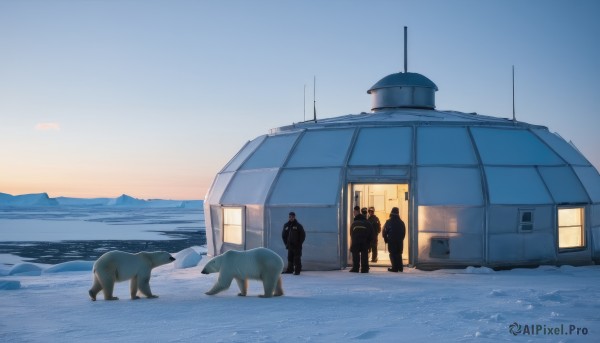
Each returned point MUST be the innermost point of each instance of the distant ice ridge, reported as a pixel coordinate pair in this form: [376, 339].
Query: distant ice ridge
[42, 199]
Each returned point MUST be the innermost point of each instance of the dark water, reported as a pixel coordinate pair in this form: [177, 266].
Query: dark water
[64, 251]
[175, 227]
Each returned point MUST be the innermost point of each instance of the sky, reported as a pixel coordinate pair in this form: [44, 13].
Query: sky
[472, 304]
[153, 98]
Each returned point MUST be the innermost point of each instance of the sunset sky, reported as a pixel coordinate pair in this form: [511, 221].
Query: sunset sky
[152, 98]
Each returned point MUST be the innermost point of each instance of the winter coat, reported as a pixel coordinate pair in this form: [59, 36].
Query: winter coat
[376, 224]
[394, 232]
[293, 235]
[361, 233]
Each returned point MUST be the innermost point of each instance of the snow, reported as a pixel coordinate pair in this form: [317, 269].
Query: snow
[327, 306]
[23, 230]
[10, 259]
[56, 224]
[71, 266]
[188, 258]
[9, 285]
[44, 303]
[25, 269]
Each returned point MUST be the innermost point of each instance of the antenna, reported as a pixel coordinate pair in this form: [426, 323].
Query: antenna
[305, 102]
[314, 97]
[513, 85]
[405, 53]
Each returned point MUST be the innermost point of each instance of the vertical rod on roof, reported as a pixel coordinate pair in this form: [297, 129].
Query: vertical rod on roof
[513, 86]
[405, 53]
[314, 98]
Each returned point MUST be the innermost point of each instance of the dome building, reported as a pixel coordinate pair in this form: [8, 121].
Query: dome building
[472, 189]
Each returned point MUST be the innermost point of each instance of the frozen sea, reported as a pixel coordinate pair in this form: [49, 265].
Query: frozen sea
[53, 235]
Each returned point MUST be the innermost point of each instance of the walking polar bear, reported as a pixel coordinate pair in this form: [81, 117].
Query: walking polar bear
[256, 264]
[115, 266]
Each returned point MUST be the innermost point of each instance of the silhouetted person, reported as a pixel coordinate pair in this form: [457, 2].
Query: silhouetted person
[394, 232]
[376, 224]
[361, 234]
[293, 236]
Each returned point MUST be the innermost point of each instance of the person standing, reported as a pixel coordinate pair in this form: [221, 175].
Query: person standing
[293, 236]
[376, 224]
[394, 232]
[361, 234]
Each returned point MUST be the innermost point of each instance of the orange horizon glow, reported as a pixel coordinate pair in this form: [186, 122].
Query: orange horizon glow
[141, 189]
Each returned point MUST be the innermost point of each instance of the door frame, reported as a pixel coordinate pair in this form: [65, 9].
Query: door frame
[347, 217]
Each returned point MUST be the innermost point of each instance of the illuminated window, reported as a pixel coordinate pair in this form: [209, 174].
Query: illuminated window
[232, 225]
[526, 220]
[570, 228]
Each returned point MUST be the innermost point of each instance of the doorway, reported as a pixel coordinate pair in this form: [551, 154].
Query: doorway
[383, 197]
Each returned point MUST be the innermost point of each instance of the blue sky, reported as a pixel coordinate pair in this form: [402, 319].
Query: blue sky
[152, 98]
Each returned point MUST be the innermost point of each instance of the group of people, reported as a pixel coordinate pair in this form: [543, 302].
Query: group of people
[364, 234]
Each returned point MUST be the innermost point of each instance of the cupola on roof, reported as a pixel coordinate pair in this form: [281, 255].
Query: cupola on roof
[403, 90]
[404, 80]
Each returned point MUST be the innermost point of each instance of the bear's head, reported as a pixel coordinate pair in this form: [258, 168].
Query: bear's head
[213, 266]
[159, 258]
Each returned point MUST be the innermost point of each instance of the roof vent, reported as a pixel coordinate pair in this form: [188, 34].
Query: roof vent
[403, 90]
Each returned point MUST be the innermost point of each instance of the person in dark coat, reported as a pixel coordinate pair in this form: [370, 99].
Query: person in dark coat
[394, 232]
[361, 233]
[376, 224]
[293, 236]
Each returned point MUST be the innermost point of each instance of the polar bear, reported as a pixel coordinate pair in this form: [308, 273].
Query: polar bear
[257, 264]
[115, 266]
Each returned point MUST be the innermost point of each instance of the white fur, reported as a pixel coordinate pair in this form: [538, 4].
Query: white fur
[256, 264]
[115, 266]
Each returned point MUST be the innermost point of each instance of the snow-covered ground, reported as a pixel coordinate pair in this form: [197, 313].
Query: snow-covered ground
[473, 304]
[47, 303]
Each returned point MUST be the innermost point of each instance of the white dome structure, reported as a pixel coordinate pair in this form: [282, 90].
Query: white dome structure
[472, 189]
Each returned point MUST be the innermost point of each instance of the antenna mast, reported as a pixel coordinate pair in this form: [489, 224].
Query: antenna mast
[314, 98]
[405, 53]
[513, 86]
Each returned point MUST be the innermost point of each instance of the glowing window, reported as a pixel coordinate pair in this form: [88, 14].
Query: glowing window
[232, 225]
[570, 228]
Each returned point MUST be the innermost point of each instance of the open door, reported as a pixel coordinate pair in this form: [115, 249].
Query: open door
[383, 197]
